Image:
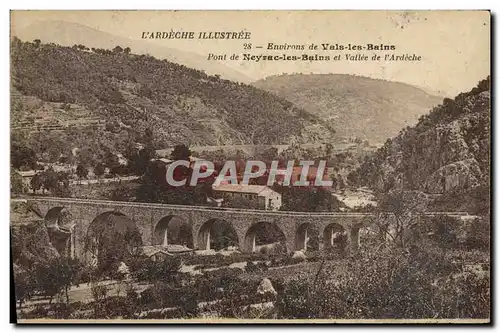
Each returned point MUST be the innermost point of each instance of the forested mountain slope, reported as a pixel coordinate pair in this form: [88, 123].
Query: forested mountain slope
[447, 152]
[122, 95]
[70, 33]
[355, 106]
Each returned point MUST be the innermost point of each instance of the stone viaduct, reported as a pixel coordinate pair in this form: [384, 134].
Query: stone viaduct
[152, 222]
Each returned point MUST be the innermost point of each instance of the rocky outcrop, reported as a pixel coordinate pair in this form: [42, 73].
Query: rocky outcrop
[31, 244]
[266, 287]
[299, 256]
[30, 237]
[460, 175]
[123, 269]
[448, 150]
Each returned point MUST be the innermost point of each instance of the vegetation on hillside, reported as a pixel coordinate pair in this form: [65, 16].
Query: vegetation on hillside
[131, 93]
[446, 152]
[70, 33]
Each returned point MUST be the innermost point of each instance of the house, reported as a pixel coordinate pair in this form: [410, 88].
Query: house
[215, 202]
[160, 252]
[27, 176]
[261, 196]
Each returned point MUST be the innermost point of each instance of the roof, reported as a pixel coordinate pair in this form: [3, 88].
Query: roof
[59, 167]
[167, 250]
[29, 173]
[260, 190]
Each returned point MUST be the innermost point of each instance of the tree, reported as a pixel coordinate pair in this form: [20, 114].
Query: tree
[406, 209]
[309, 199]
[149, 270]
[24, 284]
[16, 182]
[86, 156]
[112, 163]
[81, 171]
[121, 193]
[22, 156]
[329, 150]
[148, 137]
[139, 160]
[126, 50]
[36, 182]
[185, 236]
[55, 182]
[99, 293]
[69, 270]
[55, 276]
[241, 202]
[178, 195]
[111, 242]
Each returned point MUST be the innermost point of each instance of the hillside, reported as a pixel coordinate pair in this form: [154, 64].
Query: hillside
[102, 97]
[69, 34]
[355, 106]
[447, 152]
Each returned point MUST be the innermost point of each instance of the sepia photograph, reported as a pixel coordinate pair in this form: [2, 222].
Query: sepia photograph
[250, 166]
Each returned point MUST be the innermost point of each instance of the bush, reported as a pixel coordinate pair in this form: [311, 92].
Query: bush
[256, 268]
[235, 297]
[418, 282]
[295, 301]
[62, 310]
[163, 295]
[145, 269]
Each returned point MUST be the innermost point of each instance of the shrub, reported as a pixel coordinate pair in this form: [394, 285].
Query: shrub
[145, 269]
[256, 268]
[62, 310]
[117, 306]
[163, 295]
[413, 283]
[264, 250]
[188, 302]
[147, 297]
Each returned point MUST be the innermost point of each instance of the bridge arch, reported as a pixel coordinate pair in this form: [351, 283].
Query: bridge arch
[307, 237]
[265, 237]
[217, 234]
[335, 237]
[172, 229]
[111, 237]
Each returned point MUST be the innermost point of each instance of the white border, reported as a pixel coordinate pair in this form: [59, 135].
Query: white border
[198, 4]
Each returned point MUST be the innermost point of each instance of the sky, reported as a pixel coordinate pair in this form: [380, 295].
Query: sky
[454, 45]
